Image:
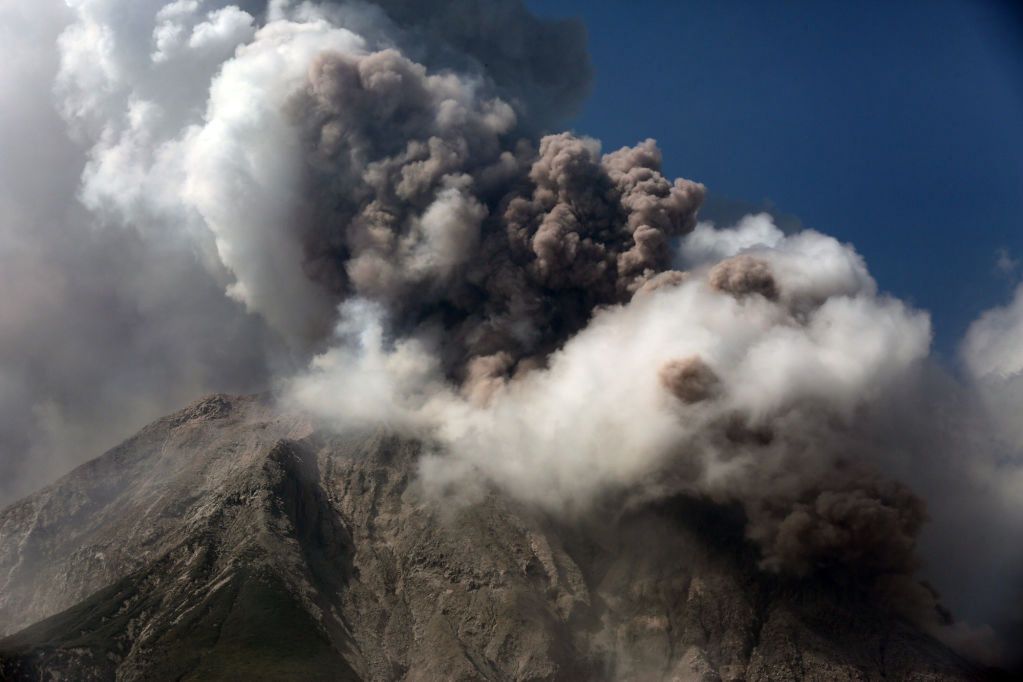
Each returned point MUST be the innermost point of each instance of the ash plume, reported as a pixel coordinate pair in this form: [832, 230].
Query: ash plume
[436, 209]
[402, 241]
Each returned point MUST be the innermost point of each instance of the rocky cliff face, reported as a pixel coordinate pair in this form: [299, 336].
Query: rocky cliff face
[229, 541]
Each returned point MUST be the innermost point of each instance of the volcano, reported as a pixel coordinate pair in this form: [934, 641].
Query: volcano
[233, 540]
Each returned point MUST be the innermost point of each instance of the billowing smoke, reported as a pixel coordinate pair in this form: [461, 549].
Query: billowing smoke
[745, 382]
[377, 191]
[120, 147]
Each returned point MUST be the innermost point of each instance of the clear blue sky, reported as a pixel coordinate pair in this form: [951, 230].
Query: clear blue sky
[897, 126]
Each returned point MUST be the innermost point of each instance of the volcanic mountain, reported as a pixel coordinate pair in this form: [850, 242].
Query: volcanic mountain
[233, 540]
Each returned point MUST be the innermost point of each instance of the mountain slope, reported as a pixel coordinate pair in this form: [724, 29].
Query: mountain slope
[230, 541]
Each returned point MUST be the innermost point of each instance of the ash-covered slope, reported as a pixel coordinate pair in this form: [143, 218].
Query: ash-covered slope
[229, 541]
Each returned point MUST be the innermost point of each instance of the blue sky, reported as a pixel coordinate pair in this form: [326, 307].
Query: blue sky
[897, 126]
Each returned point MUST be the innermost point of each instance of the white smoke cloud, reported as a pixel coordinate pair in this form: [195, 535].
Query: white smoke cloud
[992, 347]
[101, 330]
[991, 353]
[244, 171]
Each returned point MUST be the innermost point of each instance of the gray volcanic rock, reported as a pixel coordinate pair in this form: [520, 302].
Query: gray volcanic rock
[230, 541]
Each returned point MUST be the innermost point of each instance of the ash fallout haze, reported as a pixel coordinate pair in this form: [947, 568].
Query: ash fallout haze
[389, 217]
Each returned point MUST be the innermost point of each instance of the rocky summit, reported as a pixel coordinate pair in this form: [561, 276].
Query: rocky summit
[234, 541]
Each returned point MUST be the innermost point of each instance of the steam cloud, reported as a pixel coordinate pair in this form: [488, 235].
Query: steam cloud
[374, 188]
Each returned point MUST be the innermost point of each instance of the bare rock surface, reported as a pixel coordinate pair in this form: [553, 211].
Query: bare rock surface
[230, 541]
